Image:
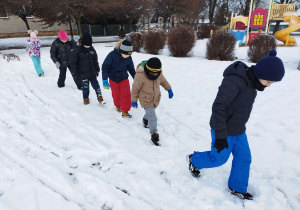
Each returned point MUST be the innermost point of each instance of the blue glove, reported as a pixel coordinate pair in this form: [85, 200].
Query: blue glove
[170, 93]
[106, 84]
[134, 105]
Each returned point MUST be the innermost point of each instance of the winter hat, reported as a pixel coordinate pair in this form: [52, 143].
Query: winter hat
[270, 67]
[33, 34]
[86, 39]
[62, 35]
[153, 65]
[126, 46]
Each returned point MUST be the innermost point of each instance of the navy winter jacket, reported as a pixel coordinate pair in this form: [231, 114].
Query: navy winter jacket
[115, 67]
[233, 104]
[84, 63]
[61, 52]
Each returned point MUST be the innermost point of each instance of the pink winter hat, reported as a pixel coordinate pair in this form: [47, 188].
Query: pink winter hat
[62, 35]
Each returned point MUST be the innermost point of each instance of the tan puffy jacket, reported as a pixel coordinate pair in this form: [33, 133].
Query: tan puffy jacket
[146, 90]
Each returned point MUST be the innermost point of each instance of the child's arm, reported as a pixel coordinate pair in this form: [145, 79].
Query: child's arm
[228, 91]
[106, 66]
[136, 87]
[164, 83]
[96, 63]
[74, 62]
[53, 52]
[131, 68]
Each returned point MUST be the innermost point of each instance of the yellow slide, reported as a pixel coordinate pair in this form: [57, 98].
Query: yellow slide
[294, 25]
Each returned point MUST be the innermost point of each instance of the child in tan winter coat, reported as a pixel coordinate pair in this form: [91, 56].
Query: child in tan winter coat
[146, 88]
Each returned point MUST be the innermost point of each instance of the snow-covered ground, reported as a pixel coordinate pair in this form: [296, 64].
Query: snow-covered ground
[58, 154]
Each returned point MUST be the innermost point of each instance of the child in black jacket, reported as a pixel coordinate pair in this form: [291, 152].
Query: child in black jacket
[61, 54]
[85, 66]
[230, 113]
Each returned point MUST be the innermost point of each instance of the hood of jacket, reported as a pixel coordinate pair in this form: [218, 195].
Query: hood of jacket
[240, 69]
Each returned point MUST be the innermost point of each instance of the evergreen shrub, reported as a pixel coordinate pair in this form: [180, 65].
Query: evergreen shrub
[154, 41]
[136, 41]
[260, 46]
[181, 39]
[221, 46]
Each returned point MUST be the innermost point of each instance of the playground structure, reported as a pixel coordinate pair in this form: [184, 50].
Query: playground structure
[261, 18]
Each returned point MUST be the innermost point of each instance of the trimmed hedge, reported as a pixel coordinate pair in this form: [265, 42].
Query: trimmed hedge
[260, 46]
[154, 41]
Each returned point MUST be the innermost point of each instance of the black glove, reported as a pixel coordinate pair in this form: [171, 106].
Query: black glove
[220, 144]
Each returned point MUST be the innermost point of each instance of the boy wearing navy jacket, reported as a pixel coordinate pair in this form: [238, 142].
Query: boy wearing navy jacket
[230, 113]
[115, 67]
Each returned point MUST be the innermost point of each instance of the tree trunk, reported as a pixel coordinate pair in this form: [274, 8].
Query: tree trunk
[71, 29]
[79, 27]
[25, 21]
[276, 28]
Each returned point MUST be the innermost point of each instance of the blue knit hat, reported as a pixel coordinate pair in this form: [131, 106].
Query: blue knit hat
[270, 67]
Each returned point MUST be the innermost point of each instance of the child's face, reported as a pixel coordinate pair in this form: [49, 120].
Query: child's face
[154, 74]
[86, 46]
[124, 56]
[64, 41]
[266, 82]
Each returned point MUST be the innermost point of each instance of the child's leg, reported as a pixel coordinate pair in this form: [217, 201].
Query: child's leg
[152, 119]
[37, 65]
[77, 81]
[211, 159]
[62, 76]
[239, 175]
[85, 88]
[96, 86]
[125, 95]
[115, 91]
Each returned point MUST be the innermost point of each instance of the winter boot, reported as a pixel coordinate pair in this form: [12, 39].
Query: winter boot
[155, 139]
[41, 75]
[100, 99]
[145, 123]
[86, 101]
[118, 108]
[125, 114]
[245, 195]
[193, 170]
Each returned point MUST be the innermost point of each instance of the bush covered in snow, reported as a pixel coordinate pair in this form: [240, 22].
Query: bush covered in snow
[154, 41]
[136, 40]
[181, 39]
[221, 46]
[260, 46]
[204, 30]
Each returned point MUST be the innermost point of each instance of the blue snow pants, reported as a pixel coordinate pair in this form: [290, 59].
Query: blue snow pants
[86, 88]
[239, 147]
[37, 65]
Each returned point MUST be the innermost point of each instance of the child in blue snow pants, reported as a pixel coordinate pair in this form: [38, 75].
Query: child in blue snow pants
[239, 147]
[230, 112]
[37, 65]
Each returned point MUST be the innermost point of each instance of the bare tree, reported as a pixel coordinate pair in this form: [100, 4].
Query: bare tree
[212, 4]
[167, 8]
[67, 11]
[20, 8]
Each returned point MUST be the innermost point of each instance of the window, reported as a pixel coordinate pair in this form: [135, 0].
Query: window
[3, 13]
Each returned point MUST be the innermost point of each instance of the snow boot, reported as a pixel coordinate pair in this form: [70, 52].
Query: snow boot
[193, 170]
[100, 99]
[155, 139]
[125, 114]
[145, 123]
[246, 195]
[41, 75]
[86, 101]
[118, 108]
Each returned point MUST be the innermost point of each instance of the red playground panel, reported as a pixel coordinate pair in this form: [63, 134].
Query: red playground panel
[252, 35]
[240, 26]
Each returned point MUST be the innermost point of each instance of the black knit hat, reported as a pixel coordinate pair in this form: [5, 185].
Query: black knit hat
[86, 39]
[126, 46]
[270, 67]
[154, 65]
